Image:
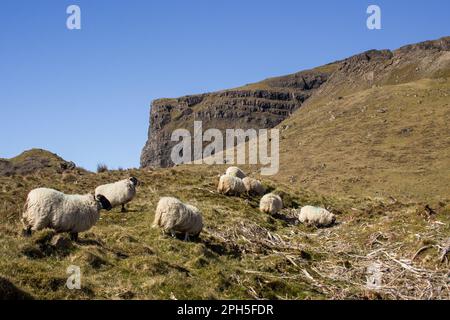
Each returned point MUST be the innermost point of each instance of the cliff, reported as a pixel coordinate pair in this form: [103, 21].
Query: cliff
[268, 103]
[260, 105]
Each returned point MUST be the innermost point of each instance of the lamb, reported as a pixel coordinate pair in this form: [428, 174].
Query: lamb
[229, 185]
[253, 186]
[120, 192]
[48, 208]
[172, 216]
[235, 172]
[271, 203]
[316, 216]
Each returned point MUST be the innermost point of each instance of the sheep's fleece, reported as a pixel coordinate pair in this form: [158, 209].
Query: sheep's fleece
[271, 203]
[172, 215]
[253, 186]
[48, 208]
[120, 192]
[316, 216]
[235, 172]
[230, 185]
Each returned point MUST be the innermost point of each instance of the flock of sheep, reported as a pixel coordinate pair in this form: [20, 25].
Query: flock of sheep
[48, 208]
[235, 182]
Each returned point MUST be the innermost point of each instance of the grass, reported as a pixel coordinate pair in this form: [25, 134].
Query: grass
[374, 153]
[242, 254]
[389, 141]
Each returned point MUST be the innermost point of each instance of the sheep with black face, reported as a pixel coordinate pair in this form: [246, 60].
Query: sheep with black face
[48, 208]
[120, 192]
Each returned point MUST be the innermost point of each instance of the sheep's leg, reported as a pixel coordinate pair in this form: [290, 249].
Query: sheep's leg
[123, 209]
[186, 237]
[27, 232]
[173, 234]
[74, 236]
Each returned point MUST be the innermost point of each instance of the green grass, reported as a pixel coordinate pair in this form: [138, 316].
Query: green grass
[122, 257]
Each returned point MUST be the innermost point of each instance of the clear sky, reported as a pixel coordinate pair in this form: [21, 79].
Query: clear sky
[85, 94]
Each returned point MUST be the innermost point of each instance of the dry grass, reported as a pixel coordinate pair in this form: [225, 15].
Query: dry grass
[388, 141]
[242, 254]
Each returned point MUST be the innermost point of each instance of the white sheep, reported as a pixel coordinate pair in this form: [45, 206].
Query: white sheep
[253, 186]
[235, 172]
[271, 203]
[172, 216]
[229, 185]
[48, 208]
[316, 216]
[120, 192]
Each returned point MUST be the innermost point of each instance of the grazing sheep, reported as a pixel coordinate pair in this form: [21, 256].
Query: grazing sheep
[48, 208]
[316, 216]
[172, 216]
[271, 203]
[253, 186]
[120, 192]
[235, 172]
[229, 185]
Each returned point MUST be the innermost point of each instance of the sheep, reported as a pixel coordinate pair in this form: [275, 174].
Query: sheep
[229, 185]
[172, 216]
[48, 208]
[120, 192]
[235, 172]
[253, 186]
[316, 216]
[271, 203]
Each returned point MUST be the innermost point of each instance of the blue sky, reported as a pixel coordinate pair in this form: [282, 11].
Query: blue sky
[85, 94]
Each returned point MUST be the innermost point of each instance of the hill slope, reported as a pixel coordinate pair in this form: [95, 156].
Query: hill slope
[388, 141]
[379, 126]
[242, 253]
[373, 124]
[35, 160]
[368, 139]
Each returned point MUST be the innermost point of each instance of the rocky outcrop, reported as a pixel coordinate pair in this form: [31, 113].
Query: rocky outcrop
[268, 103]
[263, 105]
[35, 160]
[428, 59]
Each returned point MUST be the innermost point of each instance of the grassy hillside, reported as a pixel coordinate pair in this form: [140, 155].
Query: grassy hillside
[367, 138]
[242, 254]
[383, 141]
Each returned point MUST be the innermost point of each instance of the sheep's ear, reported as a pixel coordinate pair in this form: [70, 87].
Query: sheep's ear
[106, 205]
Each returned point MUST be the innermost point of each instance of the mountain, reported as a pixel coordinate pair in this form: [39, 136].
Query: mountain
[375, 123]
[260, 105]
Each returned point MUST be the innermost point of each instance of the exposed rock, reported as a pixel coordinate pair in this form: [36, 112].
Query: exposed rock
[242, 108]
[33, 161]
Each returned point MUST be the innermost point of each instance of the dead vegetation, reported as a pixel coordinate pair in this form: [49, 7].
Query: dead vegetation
[379, 249]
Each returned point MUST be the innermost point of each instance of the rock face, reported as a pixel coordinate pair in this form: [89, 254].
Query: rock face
[266, 104]
[429, 59]
[263, 105]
